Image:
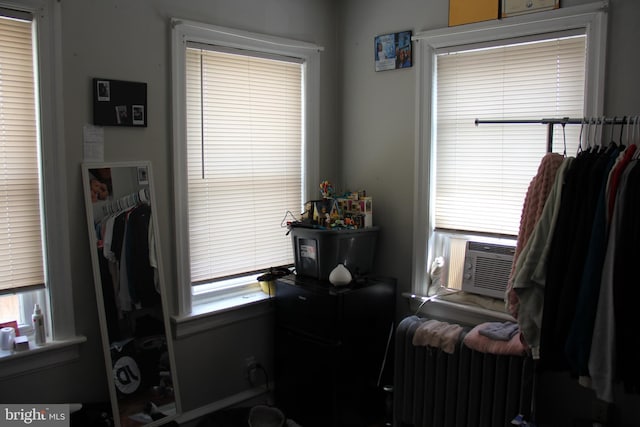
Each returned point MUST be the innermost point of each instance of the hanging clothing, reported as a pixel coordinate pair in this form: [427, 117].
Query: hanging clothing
[563, 244]
[572, 285]
[572, 278]
[626, 293]
[602, 357]
[140, 271]
[578, 344]
[614, 177]
[108, 297]
[128, 261]
[529, 273]
[534, 202]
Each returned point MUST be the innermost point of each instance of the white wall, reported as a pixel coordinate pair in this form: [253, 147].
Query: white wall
[367, 135]
[130, 40]
[378, 138]
[378, 108]
[378, 117]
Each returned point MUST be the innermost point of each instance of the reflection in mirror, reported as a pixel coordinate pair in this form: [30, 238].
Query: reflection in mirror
[119, 200]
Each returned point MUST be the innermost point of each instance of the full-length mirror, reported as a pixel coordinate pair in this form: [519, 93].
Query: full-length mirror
[134, 324]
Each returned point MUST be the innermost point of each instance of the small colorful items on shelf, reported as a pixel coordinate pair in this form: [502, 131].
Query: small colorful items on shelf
[356, 209]
[352, 210]
[327, 190]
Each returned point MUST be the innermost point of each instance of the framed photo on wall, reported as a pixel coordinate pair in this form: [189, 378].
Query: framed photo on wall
[393, 51]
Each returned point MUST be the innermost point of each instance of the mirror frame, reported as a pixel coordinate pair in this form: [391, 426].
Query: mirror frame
[144, 177]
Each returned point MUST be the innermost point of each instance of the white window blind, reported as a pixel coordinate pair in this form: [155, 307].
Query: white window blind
[21, 250]
[483, 172]
[244, 161]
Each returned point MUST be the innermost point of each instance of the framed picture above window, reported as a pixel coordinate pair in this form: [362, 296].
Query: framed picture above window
[393, 51]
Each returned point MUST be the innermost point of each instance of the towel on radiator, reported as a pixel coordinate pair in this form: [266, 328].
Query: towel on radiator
[437, 334]
[501, 331]
[479, 342]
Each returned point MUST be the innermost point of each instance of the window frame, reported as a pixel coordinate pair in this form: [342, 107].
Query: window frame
[184, 32]
[49, 107]
[592, 18]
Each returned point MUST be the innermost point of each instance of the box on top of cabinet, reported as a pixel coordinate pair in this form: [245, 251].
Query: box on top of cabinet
[469, 11]
[519, 7]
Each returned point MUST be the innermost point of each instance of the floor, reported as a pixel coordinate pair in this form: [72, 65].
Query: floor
[226, 418]
[238, 417]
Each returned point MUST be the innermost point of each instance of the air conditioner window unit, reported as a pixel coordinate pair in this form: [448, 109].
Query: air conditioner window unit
[487, 267]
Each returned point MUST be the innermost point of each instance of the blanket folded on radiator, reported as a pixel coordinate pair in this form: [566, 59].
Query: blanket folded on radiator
[476, 340]
[438, 334]
[501, 331]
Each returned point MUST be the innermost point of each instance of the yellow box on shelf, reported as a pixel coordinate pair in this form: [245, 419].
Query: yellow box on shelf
[469, 11]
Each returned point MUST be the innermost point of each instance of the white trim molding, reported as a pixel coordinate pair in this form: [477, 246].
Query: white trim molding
[183, 32]
[591, 19]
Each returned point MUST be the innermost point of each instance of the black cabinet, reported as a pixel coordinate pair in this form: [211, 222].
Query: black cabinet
[333, 351]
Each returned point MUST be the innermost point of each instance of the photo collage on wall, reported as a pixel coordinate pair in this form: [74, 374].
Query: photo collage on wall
[119, 103]
[393, 51]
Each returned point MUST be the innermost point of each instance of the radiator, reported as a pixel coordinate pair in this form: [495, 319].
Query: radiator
[467, 388]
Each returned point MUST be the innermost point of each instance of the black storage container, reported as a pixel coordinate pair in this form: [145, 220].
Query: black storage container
[316, 252]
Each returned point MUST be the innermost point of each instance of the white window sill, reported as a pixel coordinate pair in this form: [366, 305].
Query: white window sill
[13, 363]
[460, 308]
[208, 314]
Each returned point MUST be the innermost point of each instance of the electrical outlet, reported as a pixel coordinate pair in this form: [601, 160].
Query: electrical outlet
[250, 362]
[251, 365]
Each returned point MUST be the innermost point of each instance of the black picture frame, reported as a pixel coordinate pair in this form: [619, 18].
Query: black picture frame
[119, 103]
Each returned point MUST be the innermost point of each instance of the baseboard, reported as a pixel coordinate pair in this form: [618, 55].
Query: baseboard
[244, 396]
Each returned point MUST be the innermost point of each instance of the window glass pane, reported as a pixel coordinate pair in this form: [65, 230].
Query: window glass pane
[244, 161]
[483, 172]
[9, 308]
[21, 263]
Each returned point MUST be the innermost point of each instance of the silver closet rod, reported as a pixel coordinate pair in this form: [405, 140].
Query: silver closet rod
[559, 121]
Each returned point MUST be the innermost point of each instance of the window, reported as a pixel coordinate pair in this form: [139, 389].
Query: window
[34, 247]
[472, 179]
[244, 139]
[21, 255]
[244, 145]
[482, 172]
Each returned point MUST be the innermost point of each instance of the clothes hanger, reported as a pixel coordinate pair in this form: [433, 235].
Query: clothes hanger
[600, 135]
[602, 145]
[590, 126]
[564, 139]
[613, 125]
[585, 149]
[612, 143]
[630, 132]
[594, 138]
[627, 139]
[582, 121]
[636, 137]
[622, 126]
